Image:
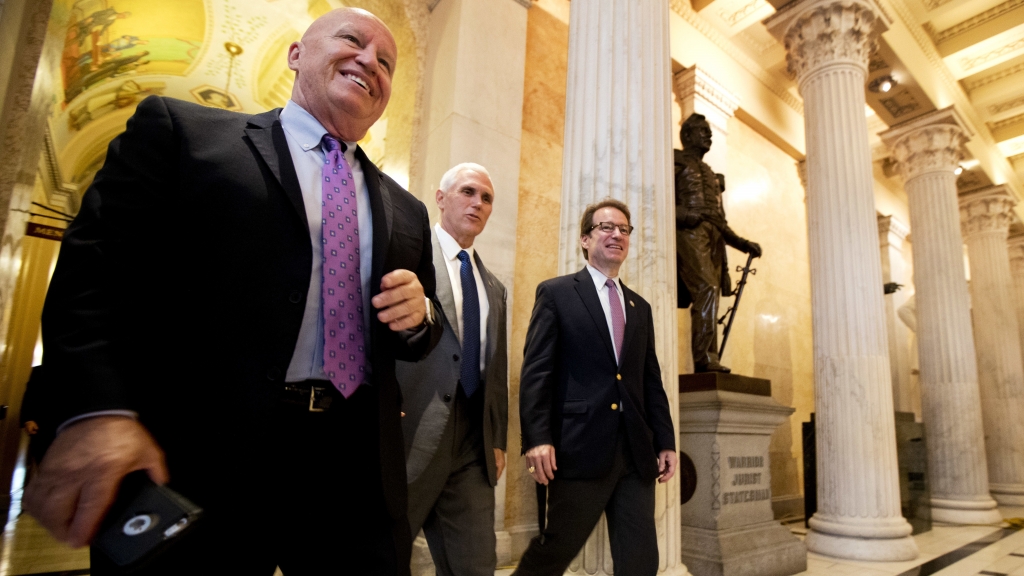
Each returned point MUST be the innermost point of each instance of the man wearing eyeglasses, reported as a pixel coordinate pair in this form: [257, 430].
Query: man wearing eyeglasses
[594, 415]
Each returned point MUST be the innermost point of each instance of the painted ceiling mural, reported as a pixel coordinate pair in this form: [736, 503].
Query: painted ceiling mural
[229, 54]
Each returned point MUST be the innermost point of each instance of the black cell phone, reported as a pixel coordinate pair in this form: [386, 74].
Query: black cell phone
[144, 521]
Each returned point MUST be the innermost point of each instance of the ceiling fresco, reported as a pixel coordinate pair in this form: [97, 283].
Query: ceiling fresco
[230, 54]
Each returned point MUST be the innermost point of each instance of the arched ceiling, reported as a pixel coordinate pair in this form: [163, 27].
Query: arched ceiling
[224, 53]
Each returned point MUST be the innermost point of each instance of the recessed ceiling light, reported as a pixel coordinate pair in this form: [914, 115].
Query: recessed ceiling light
[882, 84]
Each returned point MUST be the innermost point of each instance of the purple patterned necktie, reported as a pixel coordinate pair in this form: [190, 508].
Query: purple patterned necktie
[342, 291]
[618, 320]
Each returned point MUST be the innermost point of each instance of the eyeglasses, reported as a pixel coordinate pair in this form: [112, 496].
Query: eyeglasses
[609, 227]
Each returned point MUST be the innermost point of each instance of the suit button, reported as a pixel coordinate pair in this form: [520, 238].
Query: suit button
[273, 373]
[618, 376]
[447, 397]
[295, 297]
[455, 357]
[615, 406]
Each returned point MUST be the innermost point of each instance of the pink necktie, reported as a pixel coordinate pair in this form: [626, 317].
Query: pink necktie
[618, 320]
[342, 290]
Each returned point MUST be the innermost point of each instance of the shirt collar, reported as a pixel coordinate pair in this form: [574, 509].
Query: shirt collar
[306, 130]
[449, 247]
[600, 278]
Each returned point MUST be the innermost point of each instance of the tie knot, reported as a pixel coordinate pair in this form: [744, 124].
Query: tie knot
[330, 144]
[463, 256]
[610, 284]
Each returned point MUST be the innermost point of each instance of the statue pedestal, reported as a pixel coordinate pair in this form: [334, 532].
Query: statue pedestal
[728, 528]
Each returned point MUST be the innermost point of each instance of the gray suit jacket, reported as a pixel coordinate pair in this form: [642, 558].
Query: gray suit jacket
[426, 384]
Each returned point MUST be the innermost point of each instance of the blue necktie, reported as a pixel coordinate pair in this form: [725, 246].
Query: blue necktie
[470, 376]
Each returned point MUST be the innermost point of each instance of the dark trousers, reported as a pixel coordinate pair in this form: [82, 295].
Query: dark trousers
[305, 494]
[574, 508]
[453, 501]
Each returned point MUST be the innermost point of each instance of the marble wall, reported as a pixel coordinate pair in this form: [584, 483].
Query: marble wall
[540, 183]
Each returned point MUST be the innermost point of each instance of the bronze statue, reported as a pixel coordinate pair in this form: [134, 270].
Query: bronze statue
[701, 236]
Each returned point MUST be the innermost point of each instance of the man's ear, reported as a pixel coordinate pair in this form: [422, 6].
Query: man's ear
[294, 51]
[438, 196]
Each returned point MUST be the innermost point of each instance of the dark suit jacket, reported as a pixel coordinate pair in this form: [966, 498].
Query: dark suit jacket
[570, 380]
[427, 383]
[181, 285]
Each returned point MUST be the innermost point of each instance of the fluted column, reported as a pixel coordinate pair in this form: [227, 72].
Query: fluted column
[828, 43]
[927, 151]
[618, 143]
[1015, 245]
[986, 216]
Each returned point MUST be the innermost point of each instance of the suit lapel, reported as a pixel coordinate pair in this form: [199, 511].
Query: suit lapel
[494, 308]
[632, 319]
[383, 214]
[443, 289]
[267, 136]
[588, 293]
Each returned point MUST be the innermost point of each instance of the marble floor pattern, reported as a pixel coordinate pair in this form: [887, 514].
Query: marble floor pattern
[946, 550]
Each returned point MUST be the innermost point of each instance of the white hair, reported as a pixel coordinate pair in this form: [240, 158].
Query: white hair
[448, 180]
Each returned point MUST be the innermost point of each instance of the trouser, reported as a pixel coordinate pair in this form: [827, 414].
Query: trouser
[701, 252]
[453, 501]
[305, 494]
[574, 508]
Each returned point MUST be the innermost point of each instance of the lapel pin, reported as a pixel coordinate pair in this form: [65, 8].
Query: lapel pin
[631, 303]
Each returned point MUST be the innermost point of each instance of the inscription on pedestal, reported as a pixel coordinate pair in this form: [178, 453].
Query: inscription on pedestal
[744, 476]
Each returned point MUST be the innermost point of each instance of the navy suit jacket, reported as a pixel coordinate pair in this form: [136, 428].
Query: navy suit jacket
[570, 381]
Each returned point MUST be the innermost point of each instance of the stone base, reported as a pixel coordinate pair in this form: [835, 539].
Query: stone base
[762, 549]
[853, 548]
[519, 539]
[504, 548]
[1008, 499]
[965, 511]
[788, 507]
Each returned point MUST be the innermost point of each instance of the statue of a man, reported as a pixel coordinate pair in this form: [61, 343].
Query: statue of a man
[701, 236]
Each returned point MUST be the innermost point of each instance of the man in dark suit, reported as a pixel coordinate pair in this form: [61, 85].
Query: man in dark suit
[227, 311]
[591, 396]
[456, 399]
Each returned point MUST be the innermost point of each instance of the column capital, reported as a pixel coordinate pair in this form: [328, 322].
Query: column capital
[892, 231]
[929, 143]
[819, 33]
[696, 91]
[987, 210]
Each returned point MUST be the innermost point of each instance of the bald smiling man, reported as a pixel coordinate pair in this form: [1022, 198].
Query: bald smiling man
[226, 314]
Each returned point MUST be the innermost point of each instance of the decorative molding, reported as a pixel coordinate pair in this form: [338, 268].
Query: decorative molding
[744, 11]
[695, 83]
[969, 63]
[58, 186]
[1004, 106]
[1007, 121]
[987, 210]
[933, 4]
[986, 80]
[816, 34]
[975, 21]
[960, 99]
[900, 104]
[686, 11]
[891, 225]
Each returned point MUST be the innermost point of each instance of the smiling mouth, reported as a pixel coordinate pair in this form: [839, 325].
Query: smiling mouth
[358, 80]
[614, 247]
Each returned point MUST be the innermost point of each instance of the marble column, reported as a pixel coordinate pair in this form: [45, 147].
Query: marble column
[618, 143]
[927, 150]
[891, 234]
[986, 216]
[1015, 245]
[828, 43]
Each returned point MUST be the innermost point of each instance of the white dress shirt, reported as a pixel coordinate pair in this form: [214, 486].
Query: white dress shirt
[450, 249]
[602, 294]
[304, 134]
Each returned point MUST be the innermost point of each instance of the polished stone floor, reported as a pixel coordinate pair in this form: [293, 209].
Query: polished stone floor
[26, 549]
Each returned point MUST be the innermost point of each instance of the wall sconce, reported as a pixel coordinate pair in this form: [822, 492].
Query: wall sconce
[959, 169]
[882, 84]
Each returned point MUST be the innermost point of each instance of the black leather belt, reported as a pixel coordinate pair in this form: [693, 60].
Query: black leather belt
[314, 395]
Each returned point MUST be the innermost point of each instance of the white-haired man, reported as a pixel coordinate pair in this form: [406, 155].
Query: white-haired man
[456, 399]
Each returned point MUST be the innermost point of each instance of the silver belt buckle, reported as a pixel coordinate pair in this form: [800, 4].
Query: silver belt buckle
[319, 399]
